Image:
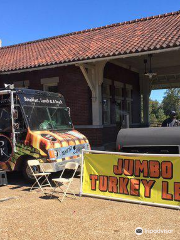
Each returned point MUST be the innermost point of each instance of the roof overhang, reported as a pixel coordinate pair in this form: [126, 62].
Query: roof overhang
[109, 58]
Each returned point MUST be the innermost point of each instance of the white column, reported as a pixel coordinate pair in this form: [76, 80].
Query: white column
[145, 85]
[98, 75]
[94, 78]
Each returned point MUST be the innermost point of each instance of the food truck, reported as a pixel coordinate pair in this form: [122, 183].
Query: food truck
[37, 125]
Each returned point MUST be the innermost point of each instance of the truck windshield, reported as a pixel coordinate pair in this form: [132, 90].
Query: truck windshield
[47, 118]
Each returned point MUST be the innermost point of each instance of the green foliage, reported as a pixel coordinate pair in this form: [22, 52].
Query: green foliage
[160, 111]
[161, 115]
[157, 115]
[171, 101]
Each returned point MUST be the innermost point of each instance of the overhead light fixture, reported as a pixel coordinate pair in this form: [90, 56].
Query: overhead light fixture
[150, 74]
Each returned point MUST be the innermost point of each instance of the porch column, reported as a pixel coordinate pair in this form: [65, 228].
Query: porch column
[145, 85]
[93, 74]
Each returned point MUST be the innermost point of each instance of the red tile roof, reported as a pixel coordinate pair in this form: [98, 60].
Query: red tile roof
[146, 34]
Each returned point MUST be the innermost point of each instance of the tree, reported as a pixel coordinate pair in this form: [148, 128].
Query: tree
[157, 115]
[171, 101]
[154, 107]
[161, 115]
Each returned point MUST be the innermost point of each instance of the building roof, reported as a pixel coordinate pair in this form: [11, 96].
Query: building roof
[140, 35]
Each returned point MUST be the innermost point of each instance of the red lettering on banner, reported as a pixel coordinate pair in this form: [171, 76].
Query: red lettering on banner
[167, 170]
[134, 187]
[128, 167]
[148, 185]
[93, 179]
[165, 194]
[103, 183]
[141, 167]
[118, 169]
[154, 169]
[113, 182]
[136, 176]
[177, 191]
[123, 182]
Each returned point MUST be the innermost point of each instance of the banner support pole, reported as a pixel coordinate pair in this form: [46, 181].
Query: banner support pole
[133, 201]
[82, 163]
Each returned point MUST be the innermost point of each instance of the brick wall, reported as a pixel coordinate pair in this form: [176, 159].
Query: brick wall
[110, 134]
[78, 95]
[94, 135]
[71, 84]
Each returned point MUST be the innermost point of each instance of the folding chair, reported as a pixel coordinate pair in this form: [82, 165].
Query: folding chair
[38, 173]
[61, 181]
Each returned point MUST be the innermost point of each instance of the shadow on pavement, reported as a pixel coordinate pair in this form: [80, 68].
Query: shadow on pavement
[17, 180]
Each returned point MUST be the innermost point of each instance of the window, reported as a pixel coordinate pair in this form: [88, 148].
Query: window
[21, 84]
[118, 101]
[5, 119]
[106, 101]
[51, 88]
[50, 84]
[48, 118]
[19, 119]
[129, 101]
[106, 110]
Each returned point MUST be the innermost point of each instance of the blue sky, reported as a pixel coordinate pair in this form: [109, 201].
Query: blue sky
[157, 95]
[22, 20]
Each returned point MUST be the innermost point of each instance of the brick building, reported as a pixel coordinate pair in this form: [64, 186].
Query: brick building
[100, 71]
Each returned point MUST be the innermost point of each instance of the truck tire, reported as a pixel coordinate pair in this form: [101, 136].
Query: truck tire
[27, 173]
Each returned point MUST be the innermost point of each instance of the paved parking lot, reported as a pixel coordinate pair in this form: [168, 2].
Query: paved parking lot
[31, 216]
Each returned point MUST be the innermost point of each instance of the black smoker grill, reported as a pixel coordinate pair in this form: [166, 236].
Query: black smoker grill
[162, 140]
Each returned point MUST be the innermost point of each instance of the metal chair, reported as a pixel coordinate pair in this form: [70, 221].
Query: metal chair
[61, 181]
[38, 173]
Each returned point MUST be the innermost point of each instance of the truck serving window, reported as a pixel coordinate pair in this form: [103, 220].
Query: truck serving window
[47, 118]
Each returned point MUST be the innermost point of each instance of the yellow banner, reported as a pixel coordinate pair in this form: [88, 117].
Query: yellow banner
[150, 179]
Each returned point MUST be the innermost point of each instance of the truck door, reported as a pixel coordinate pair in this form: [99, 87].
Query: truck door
[6, 147]
[5, 113]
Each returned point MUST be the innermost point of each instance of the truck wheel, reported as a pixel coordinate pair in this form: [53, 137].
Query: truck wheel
[27, 173]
